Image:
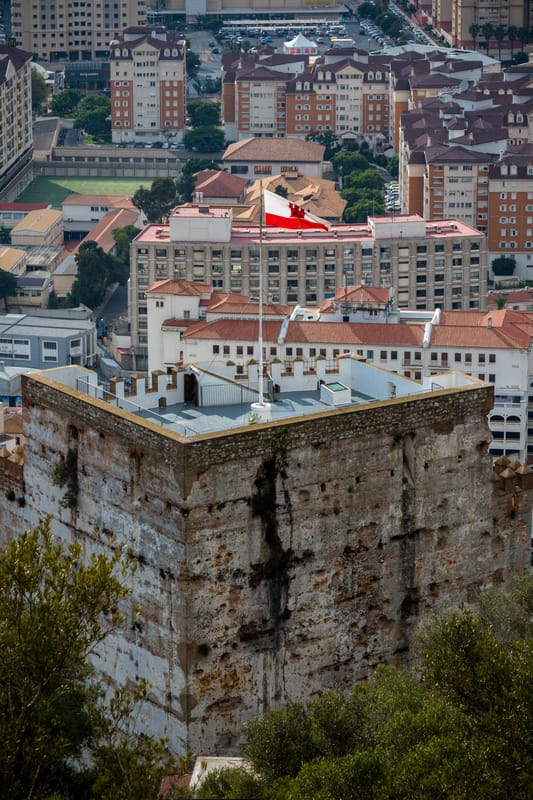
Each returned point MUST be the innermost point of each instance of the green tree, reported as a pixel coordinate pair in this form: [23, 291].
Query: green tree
[366, 179]
[192, 63]
[203, 113]
[487, 29]
[522, 35]
[39, 91]
[93, 116]
[205, 140]
[94, 270]
[8, 286]
[326, 138]
[121, 259]
[157, 201]
[393, 164]
[504, 265]
[48, 595]
[474, 30]
[57, 606]
[500, 32]
[282, 191]
[512, 35]
[347, 162]
[65, 103]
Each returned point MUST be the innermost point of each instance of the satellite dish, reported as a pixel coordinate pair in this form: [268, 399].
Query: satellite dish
[464, 85]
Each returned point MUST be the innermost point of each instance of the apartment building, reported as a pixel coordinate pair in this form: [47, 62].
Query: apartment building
[346, 91]
[16, 140]
[428, 264]
[148, 86]
[451, 145]
[74, 30]
[510, 183]
[454, 18]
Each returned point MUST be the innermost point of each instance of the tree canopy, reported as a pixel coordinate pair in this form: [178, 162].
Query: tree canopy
[39, 91]
[156, 201]
[203, 112]
[95, 268]
[56, 607]
[458, 724]
[8, 285]
[93, 116]
[66, 102]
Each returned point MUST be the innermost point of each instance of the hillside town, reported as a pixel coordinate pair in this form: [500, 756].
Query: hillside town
[267, 330]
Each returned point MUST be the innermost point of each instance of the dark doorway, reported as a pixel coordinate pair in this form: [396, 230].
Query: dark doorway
[191, 389]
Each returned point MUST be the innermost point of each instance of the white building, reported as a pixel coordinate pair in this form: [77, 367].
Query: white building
[148, 86]
[494, 347]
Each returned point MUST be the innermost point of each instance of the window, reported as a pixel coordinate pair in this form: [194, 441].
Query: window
[216, 349]
[492, 358]
[383, 355]
[49, 351]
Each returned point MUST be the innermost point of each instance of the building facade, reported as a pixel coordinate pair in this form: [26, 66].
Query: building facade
[56, 30]
[48, 339]
[428, 264]
[16, 139]
[148, 86]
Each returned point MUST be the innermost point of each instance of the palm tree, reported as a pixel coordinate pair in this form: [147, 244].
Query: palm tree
[522, 35]
[500, 32]
[512, 35]
[474, 32]
[488, 32]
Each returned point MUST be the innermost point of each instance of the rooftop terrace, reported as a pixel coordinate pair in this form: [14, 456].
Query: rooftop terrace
[204, 399]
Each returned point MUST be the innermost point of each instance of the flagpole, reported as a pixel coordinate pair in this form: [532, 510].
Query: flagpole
[261, 385]
[260, 410]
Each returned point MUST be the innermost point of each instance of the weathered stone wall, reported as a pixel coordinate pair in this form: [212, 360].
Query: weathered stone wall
[277, 561]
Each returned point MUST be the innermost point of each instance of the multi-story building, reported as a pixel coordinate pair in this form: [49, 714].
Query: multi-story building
[54, 30]
[428, 264]
[345, 92]
[40, 338]
[510, 183]
[16, 138]
[470, 155]
[148, 85]
[454, 19]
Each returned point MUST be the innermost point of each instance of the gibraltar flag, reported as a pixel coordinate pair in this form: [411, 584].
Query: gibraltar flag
[280, 213]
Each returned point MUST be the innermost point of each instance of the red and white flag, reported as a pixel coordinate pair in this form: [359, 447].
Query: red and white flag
[281, 213]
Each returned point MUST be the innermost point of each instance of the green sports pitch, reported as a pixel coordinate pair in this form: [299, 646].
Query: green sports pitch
[54, 190]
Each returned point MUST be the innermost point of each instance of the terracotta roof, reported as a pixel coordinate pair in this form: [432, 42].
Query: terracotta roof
[316, 195]
[109, 200]
[375, 334]
[367, 294]
[283, 150]
[187, 288]
[217, 183]
[102, 233]
[23, 206]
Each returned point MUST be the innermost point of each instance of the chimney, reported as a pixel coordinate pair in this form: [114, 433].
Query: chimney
[489, 322]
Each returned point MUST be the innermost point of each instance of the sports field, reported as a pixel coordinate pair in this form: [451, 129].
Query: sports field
[54, 190]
